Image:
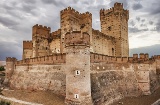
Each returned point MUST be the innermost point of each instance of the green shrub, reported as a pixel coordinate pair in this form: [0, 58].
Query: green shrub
[2, 68]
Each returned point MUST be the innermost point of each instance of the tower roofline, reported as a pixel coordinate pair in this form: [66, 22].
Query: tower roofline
[70, 10]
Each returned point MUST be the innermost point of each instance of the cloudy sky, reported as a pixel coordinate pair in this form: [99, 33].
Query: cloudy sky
[18, 16]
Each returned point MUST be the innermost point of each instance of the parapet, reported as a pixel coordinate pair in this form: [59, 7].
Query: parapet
[135, 56]
[11, 59]
[41, 27]
[118, 8]
[98, 33]
[40, 30]
[118, 5]
[143, 58]
[155, 57]
[27, 45]
[74, 13]
[56, 34]
[49, 60]
[77, 38]
[107, 11]
[86, 15]
[146, 55]
[69, 10]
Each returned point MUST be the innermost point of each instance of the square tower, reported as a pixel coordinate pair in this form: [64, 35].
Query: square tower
[72, 20]
[114, 22]
[40, 36]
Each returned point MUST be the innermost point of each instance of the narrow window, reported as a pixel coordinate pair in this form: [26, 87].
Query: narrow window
[76, 96]
[77, 72]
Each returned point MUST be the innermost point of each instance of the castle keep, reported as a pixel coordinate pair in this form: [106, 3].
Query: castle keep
[111, 41]
[87, 66]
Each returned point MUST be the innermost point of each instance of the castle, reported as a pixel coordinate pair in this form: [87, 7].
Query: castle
[111, 41]
[84, 65]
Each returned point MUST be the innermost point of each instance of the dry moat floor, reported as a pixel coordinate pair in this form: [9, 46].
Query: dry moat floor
[41, 97]
[48, 98]
[141, 100]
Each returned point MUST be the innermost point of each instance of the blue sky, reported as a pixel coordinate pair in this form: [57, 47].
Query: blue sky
[18, 16]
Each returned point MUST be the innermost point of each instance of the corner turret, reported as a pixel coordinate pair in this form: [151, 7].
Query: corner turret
[10, 66]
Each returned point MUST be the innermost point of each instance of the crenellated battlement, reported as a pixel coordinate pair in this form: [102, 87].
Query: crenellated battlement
[143, 58]
[69, 10]
[86, 15]
[50, 59]
[77, 38]
[118, 8]
[107, 11]
[75, 13]
[40, 30]
[41, 27]
[57, 32]
[27, 41]
[11, 59]
[118, 5]
[98, 33]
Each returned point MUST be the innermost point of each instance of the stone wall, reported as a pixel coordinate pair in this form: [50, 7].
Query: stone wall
[50, 60]
[111, 78]
[113, 81]
[102, 43]
[39, 77]
[55, 42]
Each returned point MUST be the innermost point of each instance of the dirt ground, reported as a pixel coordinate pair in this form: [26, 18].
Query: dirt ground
[48, 98]
[41, 97]
[141, 100]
